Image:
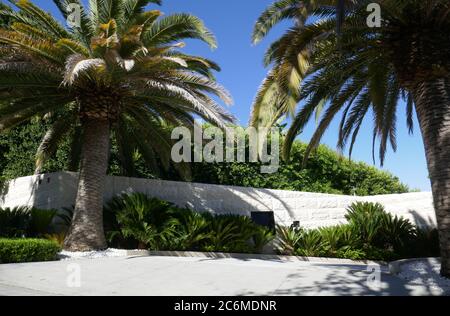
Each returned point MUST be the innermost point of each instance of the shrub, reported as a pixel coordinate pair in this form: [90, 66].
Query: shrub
[288, 239]
[65, 217]
[379, 229]
[40, 222]
[311, 244]
[27, 250]
[148, 220]
[14, 222]
[159, 225]
[326, 172]
[194, 230]
[262, 236]
[371, 234]
[25, 222]
[339, 241]
[230, 233]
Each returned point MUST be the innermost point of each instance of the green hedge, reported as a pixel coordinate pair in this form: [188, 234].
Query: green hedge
[325, 172]
[27, 250]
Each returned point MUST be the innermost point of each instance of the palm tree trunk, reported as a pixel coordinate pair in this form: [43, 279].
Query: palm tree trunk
[432, 99]
[86, 232]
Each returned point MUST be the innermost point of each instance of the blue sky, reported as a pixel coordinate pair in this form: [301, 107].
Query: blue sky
[242, 72]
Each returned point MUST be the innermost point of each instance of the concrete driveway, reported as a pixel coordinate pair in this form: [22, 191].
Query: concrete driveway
[175, 276]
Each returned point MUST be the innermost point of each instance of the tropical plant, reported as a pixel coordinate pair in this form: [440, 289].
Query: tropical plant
[370, 234]
[148, 220]
[311, 244]
[338, 240]
[375, 227]
[367, 219]
[160, 225]
[14, 222]
[25, 221]
[194, 230]
[288, 239]
[65, 217]
[261, 237]
[120, 73]
[280, 92]
[365, 69]
[41, 221]
[230, 233]
[4, 20]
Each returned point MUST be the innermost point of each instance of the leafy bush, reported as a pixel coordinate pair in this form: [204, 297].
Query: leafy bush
[159, 225]
[262, 237]
[25, 222]
[65, 217]
[14, 222]
[148, 220]
[41, 221]
[311, 244]
[371, 233]
[288, 239]
[194, 230]
[339, 241]
[230, 233]
[375, 228]
[27, 250]
[326, 171]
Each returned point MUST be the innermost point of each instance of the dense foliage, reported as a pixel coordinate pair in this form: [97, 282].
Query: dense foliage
[159, 225]
[27, 250]
[136, 221]
[326, 171]
[26, 222]
[371, 233]
[18, 150]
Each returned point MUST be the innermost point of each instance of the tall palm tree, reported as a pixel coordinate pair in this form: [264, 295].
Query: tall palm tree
[368, 69]
[121, 72]
[4, 21]
[280, 91]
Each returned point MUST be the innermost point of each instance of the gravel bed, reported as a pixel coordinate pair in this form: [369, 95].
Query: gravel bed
[111, 252]
[425, 272]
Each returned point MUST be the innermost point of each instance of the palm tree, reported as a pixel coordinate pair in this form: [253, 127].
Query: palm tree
[368, 69]
[3, 20]
[119, 72]
[280, 92]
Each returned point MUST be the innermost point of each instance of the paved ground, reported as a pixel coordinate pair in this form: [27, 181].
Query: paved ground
[197, 276]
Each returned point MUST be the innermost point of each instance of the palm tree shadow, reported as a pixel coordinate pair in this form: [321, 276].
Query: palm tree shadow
[349, 283]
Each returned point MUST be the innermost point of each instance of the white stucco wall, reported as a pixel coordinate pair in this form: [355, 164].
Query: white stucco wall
[58, 190]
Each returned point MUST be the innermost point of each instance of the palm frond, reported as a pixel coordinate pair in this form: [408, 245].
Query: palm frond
[177, 27]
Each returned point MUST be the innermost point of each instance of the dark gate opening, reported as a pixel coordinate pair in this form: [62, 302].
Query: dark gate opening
[266, 219]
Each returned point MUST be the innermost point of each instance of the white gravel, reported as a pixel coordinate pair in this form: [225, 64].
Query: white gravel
[426, 272]
[111, 252]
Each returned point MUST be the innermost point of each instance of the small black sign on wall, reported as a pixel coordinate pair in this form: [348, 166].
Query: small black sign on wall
[266, 219]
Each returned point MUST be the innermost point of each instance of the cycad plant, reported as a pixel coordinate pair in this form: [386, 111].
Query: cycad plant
[148, 220]
[363, 70]
[118, 72]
